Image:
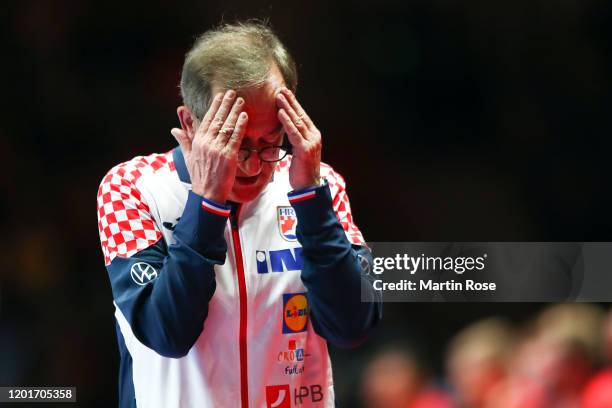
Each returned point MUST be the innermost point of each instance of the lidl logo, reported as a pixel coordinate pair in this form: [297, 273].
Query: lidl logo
[287, 223]
[278, 396]
[288, 259]
[295, 312]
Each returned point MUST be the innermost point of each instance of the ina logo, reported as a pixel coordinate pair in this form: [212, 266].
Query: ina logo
[280, 260]
[142, 273]
[295, 312]
[287, 223]
[278, 396]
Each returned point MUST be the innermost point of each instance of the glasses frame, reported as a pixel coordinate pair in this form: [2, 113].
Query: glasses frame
[259, 151]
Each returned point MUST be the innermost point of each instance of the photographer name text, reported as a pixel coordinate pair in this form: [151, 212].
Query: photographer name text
[411, 265]
[432, 285]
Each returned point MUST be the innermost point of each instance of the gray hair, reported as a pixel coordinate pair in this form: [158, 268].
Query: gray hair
[233, 56]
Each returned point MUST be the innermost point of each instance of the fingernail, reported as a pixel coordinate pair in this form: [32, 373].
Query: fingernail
[231, 93]
[239, 101]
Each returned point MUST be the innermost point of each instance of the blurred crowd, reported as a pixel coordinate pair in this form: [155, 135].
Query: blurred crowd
[562, 358]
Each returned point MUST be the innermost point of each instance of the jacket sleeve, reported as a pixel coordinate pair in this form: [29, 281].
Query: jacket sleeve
[343, 303]
[162, 290]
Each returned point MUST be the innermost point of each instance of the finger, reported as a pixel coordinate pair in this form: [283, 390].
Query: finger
[297, 121]
[297, 107]
[235, 140]
[183, 139]
[229, 126]
[221, 115]
[210, 113]
[294, 135]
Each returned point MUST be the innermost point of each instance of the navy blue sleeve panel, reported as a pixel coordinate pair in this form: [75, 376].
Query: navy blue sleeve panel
[163, 291]
[333, 272]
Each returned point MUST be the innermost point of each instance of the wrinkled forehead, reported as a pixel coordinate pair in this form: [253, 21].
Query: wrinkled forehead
[260, 103]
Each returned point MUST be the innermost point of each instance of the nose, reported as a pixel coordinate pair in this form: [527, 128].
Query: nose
[251, 166]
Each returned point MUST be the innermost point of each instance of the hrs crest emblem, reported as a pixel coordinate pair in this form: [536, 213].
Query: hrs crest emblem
[287, 223]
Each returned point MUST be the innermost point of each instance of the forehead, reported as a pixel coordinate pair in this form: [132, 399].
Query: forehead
[260, 104]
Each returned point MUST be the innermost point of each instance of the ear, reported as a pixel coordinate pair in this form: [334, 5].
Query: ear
[188, 121]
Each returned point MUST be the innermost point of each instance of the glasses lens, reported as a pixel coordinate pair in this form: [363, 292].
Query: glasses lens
[271, 154]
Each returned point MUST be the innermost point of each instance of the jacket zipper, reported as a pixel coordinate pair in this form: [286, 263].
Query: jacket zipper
[244, 385]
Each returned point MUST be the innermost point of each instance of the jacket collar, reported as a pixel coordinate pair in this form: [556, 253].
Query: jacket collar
[179, 164]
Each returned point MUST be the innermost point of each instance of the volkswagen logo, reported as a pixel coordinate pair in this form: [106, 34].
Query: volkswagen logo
[143, 273]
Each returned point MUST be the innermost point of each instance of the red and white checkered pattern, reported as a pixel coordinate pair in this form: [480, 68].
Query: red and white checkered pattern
[124, 220]
[341, 203]
[283, 165]
[287, 224]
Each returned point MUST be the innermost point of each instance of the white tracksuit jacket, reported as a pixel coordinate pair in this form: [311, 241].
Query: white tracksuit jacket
[230, 305]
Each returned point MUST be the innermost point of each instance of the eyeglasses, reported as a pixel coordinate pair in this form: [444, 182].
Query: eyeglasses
[269, 154]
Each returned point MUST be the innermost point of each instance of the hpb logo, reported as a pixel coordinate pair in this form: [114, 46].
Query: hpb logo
[278, 396]
[295, 312]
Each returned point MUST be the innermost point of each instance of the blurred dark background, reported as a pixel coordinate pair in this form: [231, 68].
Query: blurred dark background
[450, 120]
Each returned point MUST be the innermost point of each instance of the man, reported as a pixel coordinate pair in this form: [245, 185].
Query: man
[233, 264]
